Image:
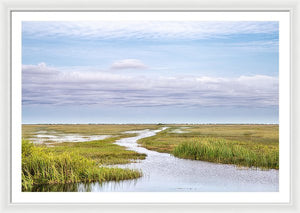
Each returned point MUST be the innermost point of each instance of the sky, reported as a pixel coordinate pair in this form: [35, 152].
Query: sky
[150, 72]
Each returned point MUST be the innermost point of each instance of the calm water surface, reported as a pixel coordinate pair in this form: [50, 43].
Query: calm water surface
[165, 173]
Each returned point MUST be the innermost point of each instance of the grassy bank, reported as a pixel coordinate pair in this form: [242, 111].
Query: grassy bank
[42, 165]
[228, 152]
[73, 162]
[103, 152]
[243, 145]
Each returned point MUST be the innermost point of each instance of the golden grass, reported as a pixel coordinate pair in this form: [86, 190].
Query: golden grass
[29, 130]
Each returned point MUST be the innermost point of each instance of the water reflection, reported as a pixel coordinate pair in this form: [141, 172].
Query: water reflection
[56, 188]
[86, 187]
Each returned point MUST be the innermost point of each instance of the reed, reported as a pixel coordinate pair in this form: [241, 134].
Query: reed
[229, 152]
[40, 166]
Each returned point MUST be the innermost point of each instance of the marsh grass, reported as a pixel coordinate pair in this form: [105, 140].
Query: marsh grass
[229, 152]
[29, 130]
[243, 145]
[73, 162]
[103, 152]
[41, 166]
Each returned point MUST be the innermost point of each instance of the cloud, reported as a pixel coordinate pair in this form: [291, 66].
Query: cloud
[43, 85]
[152, 30]
[38, 71]
[128, 64]
[254, 46]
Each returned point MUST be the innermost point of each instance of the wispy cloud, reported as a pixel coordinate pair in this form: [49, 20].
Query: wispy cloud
[51, 86]
[146, 30]
[128, 64]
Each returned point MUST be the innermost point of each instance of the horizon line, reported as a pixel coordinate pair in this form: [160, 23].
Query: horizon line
[150, 123]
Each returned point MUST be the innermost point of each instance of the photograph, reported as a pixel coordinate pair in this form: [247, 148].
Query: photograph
[150, 106]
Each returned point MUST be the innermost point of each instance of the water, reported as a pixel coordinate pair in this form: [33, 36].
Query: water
[163, 172]
[45, 138]
[166, 173]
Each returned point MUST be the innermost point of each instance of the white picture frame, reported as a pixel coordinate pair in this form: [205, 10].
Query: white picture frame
[7, 7]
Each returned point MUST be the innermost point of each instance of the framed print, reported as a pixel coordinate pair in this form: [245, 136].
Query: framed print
[218, 114]
[139, 106]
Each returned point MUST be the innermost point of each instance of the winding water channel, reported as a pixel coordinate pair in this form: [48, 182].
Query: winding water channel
[163, 172]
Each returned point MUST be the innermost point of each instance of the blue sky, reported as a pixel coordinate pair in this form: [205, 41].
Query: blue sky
[150, 72]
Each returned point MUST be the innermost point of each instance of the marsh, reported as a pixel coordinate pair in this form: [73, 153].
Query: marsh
[144, 155]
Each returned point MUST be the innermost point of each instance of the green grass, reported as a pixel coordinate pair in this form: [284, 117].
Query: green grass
[42, 166]
[103, 152]
[229, 152]
[73, 162]
[243, 145]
